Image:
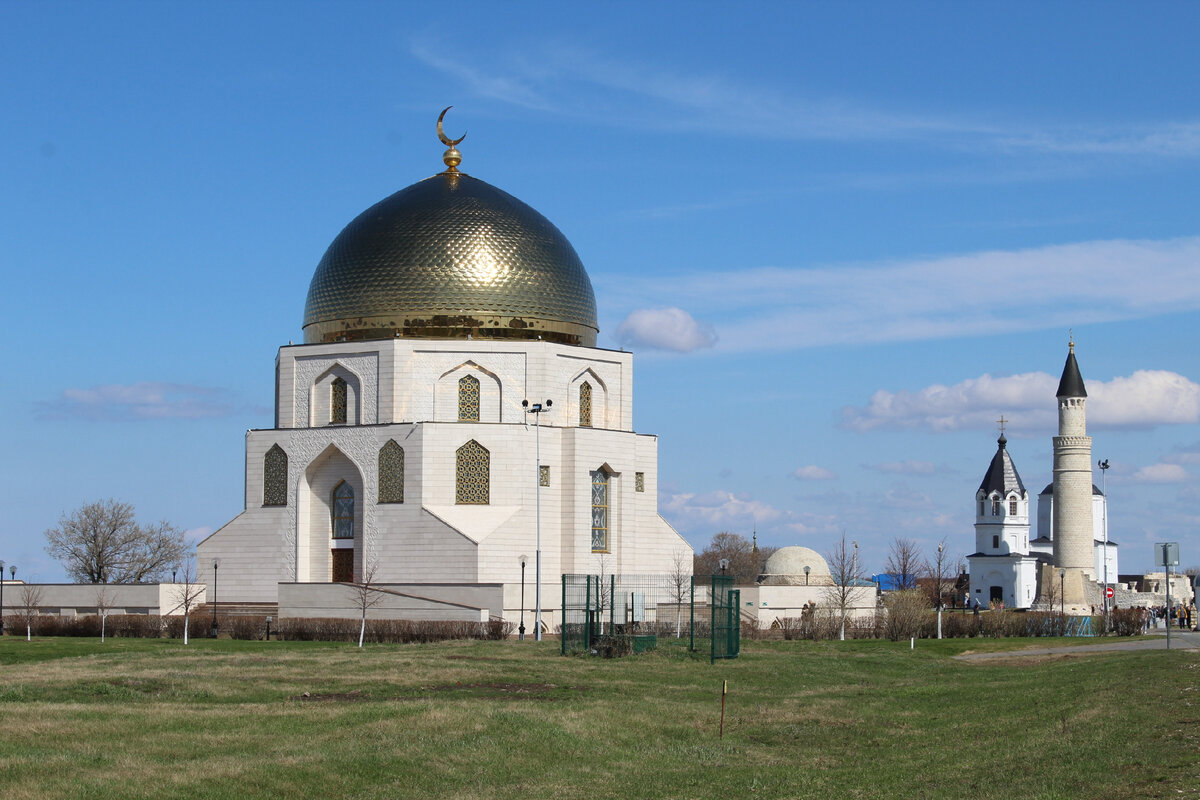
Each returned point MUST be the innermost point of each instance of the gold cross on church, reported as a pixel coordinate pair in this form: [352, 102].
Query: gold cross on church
[1001, 422]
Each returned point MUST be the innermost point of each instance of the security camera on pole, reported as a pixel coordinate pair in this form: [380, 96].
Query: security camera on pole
[537, 409]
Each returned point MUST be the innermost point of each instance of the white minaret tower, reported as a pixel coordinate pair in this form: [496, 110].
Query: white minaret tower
[1073, 528]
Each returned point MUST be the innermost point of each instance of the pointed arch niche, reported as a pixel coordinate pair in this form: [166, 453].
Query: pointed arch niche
[588, 399]
[275, 475]
[391, 473]
[335, 398]
[468, 393]
[330, 519]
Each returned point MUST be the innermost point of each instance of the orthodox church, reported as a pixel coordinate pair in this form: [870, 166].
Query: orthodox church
[1071, 557]
[448, 426]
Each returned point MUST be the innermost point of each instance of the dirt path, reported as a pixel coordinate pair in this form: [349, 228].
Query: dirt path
[1180, 640]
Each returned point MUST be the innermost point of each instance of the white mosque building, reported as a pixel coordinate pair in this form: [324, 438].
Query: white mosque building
[447, 420]
[1010, 568]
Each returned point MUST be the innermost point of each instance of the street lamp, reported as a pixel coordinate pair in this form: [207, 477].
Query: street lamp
[1, 598]
[214, 622]
[521, 630]
[938, 587]
[537, 409]
[1062, 595]
[1103, 491]
[807, 569]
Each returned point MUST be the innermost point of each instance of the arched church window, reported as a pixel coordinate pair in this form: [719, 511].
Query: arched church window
[585, 404]
[343, 511]
[1012, 506]
[995, 506]
[337, 402]
[600, 486]
[981, 508]
[275, 470]
[468, 399]
[472, 468]
[391, 473]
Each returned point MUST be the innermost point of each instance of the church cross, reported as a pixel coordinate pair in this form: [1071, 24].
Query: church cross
[1001, 422]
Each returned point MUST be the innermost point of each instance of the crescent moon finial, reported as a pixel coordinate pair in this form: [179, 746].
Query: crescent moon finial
[446, 140]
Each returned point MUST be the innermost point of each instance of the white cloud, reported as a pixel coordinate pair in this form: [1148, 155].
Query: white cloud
[717, 508]
[139, 401]
[1160, 473]
[1144, 399]
[812, 472]
[665, 329]
[786, 308]
[907, 467]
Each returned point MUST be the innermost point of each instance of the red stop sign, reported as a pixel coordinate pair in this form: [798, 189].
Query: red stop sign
[1109, 591]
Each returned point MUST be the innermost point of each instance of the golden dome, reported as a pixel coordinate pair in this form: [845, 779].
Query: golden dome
[450, 257]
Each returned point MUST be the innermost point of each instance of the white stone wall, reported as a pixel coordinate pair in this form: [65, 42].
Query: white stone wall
[1016, 575]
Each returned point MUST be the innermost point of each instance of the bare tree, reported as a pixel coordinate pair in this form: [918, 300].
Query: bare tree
[187, 594]
[904, 563]
[101, 542]
[105, 600]
[604, 589]
[846, 572]
[745, 559]
[366, 596]
[31, 601]
[679, 581]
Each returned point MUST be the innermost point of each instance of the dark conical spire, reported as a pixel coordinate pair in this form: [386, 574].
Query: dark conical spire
[1071, 384]
[1002, 472]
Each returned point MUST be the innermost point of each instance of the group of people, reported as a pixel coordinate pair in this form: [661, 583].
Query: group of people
[1180, 615]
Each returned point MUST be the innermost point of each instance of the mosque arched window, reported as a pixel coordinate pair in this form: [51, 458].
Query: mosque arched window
[600, 495]
[468, 399]
[275, 470]
[585, 405]
[1012, 506]
[337, 402]
[391, 473]
[343, 511]
[472, 474]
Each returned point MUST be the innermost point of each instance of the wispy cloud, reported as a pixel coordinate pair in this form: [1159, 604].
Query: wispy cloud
[609, 90]
[665, 329]
[147, 400]
[717, 509]
[908, 467]
[812, 472]
[1159, 473]
[780, 308]
[1144, 399]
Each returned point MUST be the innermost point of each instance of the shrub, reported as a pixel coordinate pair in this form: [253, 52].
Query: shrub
[614, 646]
[906, 614]
[1128, 621]
[249, 627]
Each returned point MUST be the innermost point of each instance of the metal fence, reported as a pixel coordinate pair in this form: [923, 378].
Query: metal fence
[635, 608]
[715, 619]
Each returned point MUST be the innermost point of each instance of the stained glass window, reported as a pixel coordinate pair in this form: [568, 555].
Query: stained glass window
[275, 470]
[544, 475]
[468, 399]
[391, 473]
[639, 481]
[599, 511]
[472, 464]
[585, 404]
[343, 511]
[337, 402]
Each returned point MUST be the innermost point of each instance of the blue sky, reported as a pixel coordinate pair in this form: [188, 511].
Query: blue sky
[843, 239]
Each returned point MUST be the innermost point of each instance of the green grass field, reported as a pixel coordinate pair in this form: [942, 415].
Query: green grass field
[144, 718]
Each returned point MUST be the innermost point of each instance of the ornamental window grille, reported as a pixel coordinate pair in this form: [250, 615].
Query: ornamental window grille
[1012, 506]
[343, 511]
[468, 399]
[639, 481]
[585, 405]
[275, 470]
[543, 475]
[472, 463]
[600, 487]
[337, 402]
[391, 473]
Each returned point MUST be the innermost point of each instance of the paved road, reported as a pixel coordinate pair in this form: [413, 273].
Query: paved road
[1180, 640]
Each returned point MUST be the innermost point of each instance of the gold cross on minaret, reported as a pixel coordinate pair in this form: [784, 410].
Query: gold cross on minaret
[1001, 422]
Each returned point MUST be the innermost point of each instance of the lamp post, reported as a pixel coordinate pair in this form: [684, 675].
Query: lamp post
[1, 598]
[268, 636]
[1062, 595]
[521, 629]
[938, 587]
[214, 622]
[537, 409]
[1103, 464]
[807, 569]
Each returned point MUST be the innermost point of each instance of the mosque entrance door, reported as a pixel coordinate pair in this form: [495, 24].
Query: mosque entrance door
[343, 565]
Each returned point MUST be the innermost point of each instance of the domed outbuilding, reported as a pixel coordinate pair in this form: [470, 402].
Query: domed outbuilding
[795, 566]
[448, 429]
